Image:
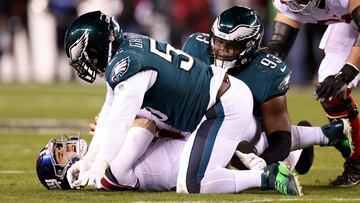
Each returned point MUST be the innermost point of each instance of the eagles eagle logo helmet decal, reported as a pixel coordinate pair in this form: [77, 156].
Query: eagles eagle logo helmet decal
[120, 69]
[77, 49]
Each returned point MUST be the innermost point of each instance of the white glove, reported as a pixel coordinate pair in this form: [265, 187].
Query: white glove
[76, 171]
[251, 161]
[94, 175]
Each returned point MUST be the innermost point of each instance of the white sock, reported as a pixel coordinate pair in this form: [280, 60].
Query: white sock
[222, 180]
[305, 136]
[292, 159]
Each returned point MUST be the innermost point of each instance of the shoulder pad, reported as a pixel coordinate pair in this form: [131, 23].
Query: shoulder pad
[124, 65]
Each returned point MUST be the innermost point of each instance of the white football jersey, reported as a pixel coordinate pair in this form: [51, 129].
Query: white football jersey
[334, 11]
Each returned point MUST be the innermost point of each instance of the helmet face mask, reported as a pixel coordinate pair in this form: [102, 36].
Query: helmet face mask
[304, 7]
[89, 43]
[79, 59]
[56, 158]
[235, 37]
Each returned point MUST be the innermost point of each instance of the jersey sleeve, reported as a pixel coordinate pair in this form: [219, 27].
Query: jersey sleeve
[188, 43]
[281, 81]
[197, 45]
[127, 100]
[121, 67]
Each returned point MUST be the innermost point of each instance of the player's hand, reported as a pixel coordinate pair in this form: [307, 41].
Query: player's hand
[336, 85]
[332, 87]
[72, 174]
[93, 176]
[76, 171]
[93, 126]
[251, 161]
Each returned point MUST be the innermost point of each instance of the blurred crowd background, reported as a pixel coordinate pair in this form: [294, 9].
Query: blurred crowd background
[32, 31]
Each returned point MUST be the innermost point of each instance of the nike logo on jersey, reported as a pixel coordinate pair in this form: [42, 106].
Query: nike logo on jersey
[120, 69]
[283, 68]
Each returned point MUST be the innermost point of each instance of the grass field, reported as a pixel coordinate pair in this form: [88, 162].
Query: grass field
[19, 148]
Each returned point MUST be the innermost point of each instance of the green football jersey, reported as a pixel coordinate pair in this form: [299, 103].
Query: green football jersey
[266, 75]
[180, 95]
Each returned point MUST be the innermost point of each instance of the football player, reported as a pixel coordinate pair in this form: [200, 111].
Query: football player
[338, 71]
[234, 44]
[56, 158]
[153, 175]
[54, 161]
[181, 91]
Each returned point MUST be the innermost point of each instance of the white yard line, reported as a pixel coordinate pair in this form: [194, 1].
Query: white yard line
[43, 125]
[11, 172]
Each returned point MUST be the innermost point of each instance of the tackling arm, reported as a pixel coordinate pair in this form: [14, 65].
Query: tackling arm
[128, 98]
[277, 128]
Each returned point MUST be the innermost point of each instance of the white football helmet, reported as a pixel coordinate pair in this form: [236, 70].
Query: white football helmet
[304, 7]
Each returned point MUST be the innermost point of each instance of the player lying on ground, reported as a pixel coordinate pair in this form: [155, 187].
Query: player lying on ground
[153, 175]
[156, 169]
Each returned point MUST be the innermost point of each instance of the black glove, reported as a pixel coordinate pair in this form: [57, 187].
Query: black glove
[336, 85]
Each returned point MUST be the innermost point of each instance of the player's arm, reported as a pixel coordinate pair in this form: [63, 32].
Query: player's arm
[128, 98]
[277, 128]
[354, 9]
[76, 171]
[284, 34]
[336, 85]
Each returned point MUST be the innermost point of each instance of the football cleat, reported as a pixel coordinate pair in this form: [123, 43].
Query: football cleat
[307, 155]
[339, 134]
[350, 176]
[277, 176]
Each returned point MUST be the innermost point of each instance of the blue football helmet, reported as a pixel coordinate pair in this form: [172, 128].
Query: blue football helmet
[50, 172]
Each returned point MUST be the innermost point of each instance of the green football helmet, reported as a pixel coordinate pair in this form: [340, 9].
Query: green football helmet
[90, 42]
[235, 37]
[304, 7]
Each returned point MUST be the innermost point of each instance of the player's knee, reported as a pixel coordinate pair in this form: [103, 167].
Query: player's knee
[340, 108]
[188, 185]
[145, 123]
[181, 188]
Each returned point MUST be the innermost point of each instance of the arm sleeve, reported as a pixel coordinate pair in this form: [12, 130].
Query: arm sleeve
[279, 147]
[282, 39]
[95, 142]
[128, 98]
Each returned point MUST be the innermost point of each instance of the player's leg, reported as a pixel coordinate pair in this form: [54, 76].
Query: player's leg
[337, 43]
[337, 133]
[305, 161]
[210, 148]
[117, 175]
